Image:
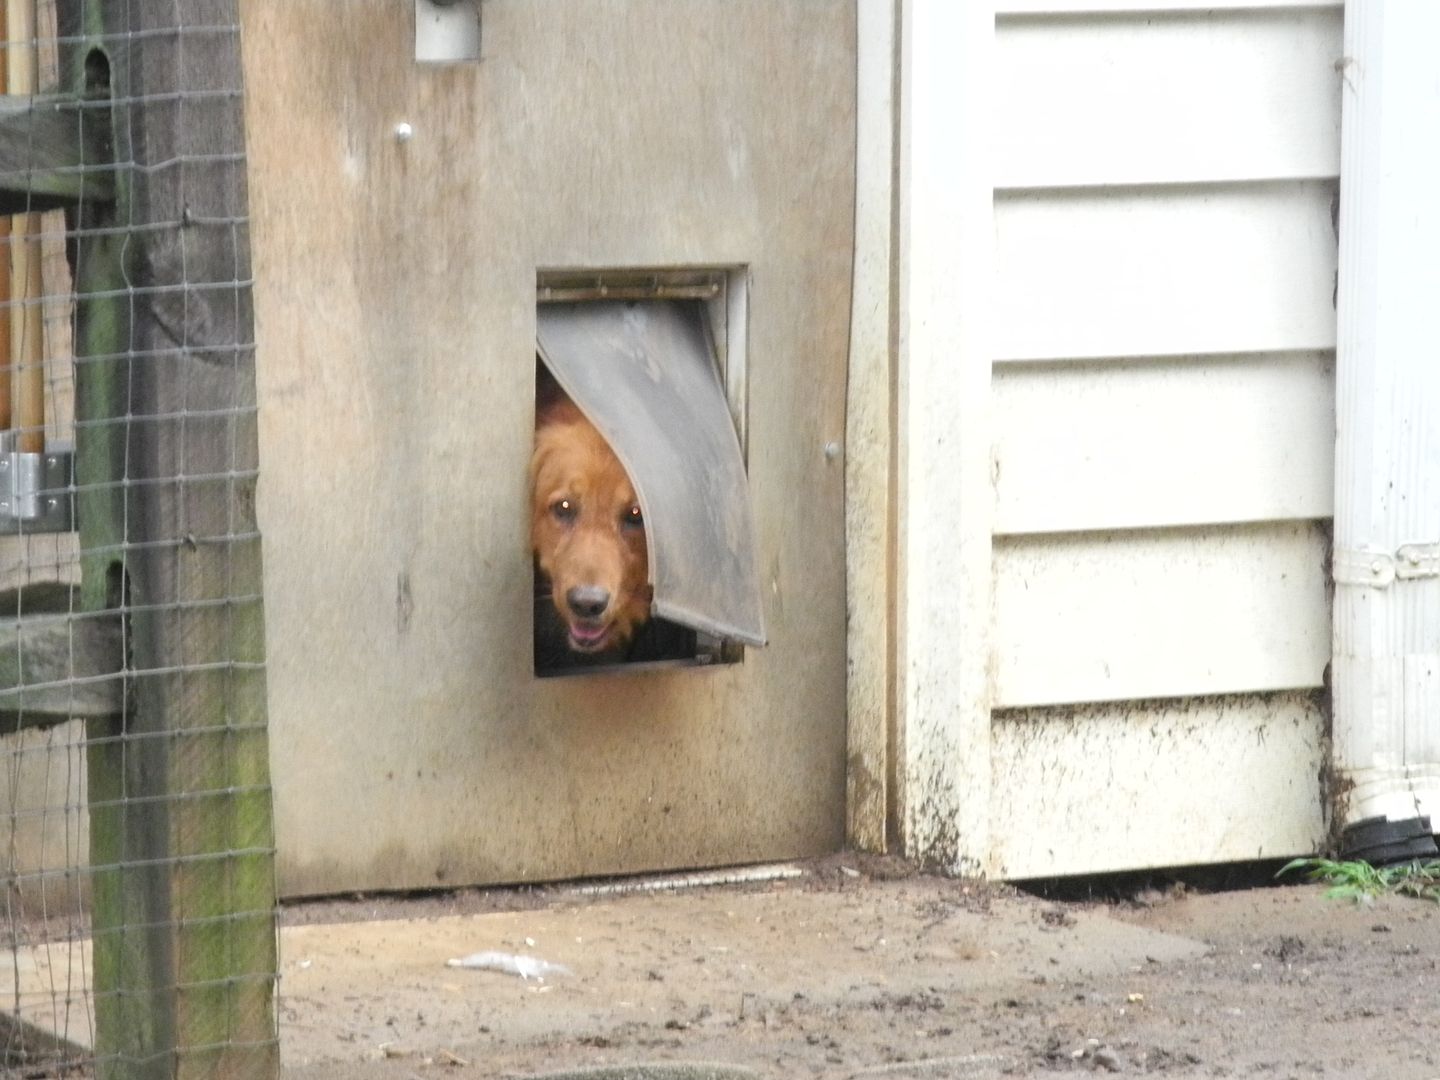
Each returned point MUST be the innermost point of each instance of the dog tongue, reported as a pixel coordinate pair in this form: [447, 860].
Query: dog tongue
[587, 635]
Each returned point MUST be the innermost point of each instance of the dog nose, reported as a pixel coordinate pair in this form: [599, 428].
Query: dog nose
[587, 601]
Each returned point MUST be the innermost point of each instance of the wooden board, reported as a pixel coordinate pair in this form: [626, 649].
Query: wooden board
[1168, 613]
[1151, 272]
[1182, 441]
[396, 306]
[1140, 784]
[55, 668]
[1142, 100]
[943, 489]
[869, 437]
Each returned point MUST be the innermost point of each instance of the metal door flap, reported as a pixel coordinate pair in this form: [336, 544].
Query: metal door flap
[644, 375]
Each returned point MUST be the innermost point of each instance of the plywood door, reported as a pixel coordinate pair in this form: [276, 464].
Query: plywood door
[395, 304]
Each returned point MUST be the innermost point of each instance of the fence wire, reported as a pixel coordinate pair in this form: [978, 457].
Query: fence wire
[138, 920]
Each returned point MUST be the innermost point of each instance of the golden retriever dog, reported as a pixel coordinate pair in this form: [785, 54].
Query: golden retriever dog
[587, 532]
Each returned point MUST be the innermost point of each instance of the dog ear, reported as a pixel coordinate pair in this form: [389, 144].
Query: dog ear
[548, 394]
[539, 456]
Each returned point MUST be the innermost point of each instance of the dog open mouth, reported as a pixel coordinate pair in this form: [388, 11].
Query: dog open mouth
[589, 637]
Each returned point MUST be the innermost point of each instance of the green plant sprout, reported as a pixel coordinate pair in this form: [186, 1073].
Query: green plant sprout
[1361, 882]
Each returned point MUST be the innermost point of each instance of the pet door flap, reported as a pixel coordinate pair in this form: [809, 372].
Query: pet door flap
[644, 375]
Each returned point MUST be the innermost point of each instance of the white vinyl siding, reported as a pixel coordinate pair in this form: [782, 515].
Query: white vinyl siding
[1163, 417]
[1167, 783]
[1186, 99]
[1131, 272]
[1160, 613]
[1165, 443]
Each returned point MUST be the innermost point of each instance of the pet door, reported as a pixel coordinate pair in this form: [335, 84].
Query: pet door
[644, 373]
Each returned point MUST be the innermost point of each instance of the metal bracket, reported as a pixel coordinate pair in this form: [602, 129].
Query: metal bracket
[447, 31]
[1379, 569]
[37, 491]
[1373, 568]
[1417, 561]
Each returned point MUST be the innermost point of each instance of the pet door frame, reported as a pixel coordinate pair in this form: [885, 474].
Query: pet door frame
[723, 294]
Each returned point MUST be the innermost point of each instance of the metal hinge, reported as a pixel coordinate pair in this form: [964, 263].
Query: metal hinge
[37, 490]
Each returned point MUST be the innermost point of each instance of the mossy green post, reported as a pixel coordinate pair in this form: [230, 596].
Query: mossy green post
[180, 812]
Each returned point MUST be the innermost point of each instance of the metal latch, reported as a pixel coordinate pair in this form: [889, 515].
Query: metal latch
[37, 490]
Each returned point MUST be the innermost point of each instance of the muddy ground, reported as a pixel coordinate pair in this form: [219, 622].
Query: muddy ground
[861, 969]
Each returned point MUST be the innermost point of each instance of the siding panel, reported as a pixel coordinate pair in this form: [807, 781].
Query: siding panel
[1130, 272]
[1162, 443]
[1125, 616]
[1105, 101]
[1158, 784]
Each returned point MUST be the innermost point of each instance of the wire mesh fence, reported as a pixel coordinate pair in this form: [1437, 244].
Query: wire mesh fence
[138, 921]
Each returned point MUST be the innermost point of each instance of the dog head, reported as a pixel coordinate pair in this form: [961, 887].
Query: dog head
[587, 531]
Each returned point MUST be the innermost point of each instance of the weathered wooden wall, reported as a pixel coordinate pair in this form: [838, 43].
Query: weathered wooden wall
[396, 307]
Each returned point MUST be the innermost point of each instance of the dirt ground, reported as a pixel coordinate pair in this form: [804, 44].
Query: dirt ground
[858, 968]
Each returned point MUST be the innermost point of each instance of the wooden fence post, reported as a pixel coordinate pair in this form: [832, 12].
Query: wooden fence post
[180, 813]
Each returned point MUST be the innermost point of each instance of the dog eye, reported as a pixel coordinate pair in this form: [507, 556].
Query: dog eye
[564, 509]
[633, 517]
